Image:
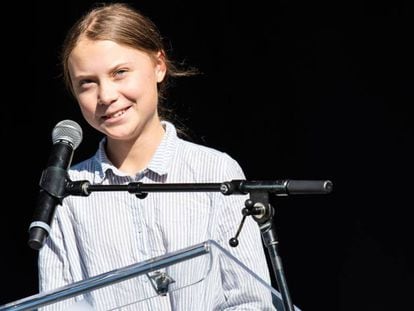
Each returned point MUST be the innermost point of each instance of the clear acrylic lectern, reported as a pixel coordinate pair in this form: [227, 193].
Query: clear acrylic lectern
[187, 279]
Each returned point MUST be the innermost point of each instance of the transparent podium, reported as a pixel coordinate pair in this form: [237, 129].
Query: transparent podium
[188, 279]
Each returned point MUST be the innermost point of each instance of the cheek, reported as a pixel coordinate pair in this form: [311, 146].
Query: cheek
[87, 105]
[132, 90]
[140, 86]
[139, 93]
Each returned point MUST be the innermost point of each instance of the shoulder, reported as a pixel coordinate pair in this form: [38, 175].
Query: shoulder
[84, 169]
[210, 162]
[197, 152]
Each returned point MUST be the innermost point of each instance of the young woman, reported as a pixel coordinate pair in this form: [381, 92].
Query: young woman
[116, 67]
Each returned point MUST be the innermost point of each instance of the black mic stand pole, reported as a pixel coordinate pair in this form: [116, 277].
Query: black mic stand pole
[259, 207]
[262, 211]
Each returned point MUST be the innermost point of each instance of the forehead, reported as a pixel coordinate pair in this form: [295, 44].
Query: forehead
[94, 55]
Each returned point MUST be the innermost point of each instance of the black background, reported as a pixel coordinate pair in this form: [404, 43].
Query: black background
[290, 89]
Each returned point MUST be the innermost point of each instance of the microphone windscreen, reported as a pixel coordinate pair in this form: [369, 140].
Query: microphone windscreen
[67, 130]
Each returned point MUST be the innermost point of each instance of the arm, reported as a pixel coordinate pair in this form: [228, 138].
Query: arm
[241, 290]
[53, 265]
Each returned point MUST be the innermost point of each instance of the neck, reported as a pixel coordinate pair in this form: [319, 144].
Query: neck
[133, 156]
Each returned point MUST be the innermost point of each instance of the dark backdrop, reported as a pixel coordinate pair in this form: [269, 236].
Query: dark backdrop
[291, 89]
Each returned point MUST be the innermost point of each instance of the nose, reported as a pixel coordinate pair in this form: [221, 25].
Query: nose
[108, 93]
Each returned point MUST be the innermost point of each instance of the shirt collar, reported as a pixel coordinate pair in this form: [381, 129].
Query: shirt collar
[159, 164]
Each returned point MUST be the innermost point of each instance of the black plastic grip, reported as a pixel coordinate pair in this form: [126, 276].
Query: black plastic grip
[309, 186]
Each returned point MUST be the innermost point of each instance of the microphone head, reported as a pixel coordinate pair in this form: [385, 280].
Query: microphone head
[69, 131]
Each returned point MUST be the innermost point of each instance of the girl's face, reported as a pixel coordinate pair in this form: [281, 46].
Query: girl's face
[116, 87]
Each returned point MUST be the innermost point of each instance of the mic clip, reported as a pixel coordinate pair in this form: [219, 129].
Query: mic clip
[53, 181]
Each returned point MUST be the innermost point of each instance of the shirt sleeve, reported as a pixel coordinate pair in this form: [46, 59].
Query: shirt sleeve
[53, 266]
[241, 290]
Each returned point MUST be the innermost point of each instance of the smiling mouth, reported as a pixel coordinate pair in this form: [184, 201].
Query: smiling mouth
[116, 114]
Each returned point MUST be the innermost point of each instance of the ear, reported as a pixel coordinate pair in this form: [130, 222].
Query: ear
[160, 66]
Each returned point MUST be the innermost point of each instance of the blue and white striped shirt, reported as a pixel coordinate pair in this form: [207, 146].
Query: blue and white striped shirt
[109, 230]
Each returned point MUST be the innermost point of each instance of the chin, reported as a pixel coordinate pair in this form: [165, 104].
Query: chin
[119, 135]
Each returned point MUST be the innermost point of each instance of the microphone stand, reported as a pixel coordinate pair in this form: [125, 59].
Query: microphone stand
[262, 211]
[257, 206]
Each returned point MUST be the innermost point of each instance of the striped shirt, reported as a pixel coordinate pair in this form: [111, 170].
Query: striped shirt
[109, 230]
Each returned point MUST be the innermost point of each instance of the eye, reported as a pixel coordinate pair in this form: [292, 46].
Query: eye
[85, 82]
[120, 73]
[83, 85]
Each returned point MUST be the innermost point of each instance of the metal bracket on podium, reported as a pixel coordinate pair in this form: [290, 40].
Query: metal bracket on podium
[160, 282]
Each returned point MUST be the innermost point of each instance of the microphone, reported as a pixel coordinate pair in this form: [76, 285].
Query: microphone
[66, 137]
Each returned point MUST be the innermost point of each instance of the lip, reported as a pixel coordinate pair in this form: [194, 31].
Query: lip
[116, 119]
